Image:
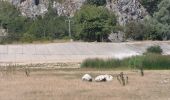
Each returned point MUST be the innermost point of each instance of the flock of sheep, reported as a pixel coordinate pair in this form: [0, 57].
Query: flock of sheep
[123, 79]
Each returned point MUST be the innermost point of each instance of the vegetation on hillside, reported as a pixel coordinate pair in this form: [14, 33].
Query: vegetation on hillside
[150, 5]
[25, 29]
[92, 23]
[156, 27]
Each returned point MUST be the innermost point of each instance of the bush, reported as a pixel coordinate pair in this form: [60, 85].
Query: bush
[27, 38]
[135, 30]
[154, 49]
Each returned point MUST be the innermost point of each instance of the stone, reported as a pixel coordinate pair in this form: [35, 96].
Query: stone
[104, 78]
[3, 32]
[33, 8]
[127, 10]
[68, 8]
[117, 37]
[87, 77]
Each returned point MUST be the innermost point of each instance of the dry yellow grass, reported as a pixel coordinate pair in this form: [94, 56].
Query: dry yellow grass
[67, 85]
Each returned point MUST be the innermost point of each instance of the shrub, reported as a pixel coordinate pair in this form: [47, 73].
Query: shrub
[135, 30]
[154, 49]
[27, 38]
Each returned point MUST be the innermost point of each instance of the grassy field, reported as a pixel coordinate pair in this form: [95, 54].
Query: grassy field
[67, 85]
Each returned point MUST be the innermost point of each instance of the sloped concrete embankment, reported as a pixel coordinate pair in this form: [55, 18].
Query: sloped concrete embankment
[73, 53]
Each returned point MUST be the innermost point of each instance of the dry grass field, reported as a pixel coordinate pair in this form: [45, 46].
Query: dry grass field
[67, 85]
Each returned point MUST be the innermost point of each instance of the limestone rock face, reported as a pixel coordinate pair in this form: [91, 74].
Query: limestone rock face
[68, 8]
[117, 37]
[127, 10]
[33, 8]
[3, 32]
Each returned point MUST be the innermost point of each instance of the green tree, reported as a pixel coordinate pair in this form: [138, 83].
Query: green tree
[11, 20]
[149, 29]
[94, 23]
[163, 14]
[163, 18]
[135, 30]
[50, 26]
[150, 5]
[152, 28]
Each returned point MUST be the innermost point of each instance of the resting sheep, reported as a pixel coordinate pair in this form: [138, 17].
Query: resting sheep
[103, 78]
[87, 77]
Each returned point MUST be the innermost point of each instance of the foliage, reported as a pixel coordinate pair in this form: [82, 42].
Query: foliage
[149, 29]
[152, 28]
[48, 28]
[135, 30]
[163, 18]
[154, 61]
[163, 14]
[11, 20]
[149, 61]
[150, 5]
[24, 29]
[154, 49]
[94, 23]
[101, 63]
[96, 2]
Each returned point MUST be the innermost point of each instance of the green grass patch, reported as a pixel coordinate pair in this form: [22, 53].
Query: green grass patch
[149, 61]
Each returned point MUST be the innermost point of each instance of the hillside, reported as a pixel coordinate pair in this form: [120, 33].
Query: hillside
[87, 20]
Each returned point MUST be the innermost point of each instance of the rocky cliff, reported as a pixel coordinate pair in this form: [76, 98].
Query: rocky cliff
[68, 7]
[33, 8]
[126, 10]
